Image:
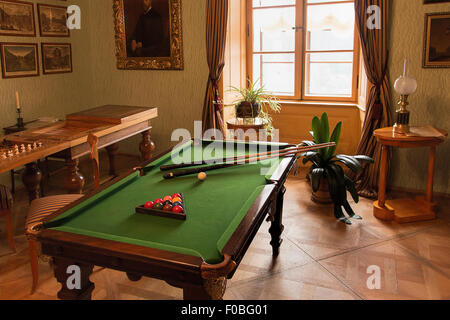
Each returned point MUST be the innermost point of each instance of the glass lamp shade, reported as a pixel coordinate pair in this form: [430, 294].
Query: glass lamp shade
[405, 85]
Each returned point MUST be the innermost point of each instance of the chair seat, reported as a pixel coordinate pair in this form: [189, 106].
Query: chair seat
[44, 207]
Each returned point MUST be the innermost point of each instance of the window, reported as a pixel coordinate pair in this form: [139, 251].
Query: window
[303, 49]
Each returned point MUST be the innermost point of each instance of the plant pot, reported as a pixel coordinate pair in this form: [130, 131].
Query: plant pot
[322, 196]
[247, 110]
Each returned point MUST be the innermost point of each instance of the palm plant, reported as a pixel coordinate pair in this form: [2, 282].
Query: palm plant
[259, 103]
[329, 166]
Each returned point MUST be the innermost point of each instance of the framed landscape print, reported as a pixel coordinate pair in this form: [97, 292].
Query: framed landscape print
[56, 58]
[52, 21]
[148, 34]
[19, 59]
[17, 18]
[437, 40]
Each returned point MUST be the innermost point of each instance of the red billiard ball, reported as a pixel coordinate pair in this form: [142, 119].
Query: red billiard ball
[158, 201]
[167, 198]
[177, 209]
[168, 207]
[149, 205]
[176, 195]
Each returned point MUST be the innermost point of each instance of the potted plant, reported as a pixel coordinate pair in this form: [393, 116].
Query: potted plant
[255, 102]
[327, 168]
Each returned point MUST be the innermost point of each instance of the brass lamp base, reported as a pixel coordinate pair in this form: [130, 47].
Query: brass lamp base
[402, 117]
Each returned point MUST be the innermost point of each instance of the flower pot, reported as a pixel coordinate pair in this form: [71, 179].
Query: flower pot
[322, 196]
[248, 110]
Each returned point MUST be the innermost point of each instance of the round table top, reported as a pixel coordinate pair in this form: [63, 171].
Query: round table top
[388, 136]
[256, 123]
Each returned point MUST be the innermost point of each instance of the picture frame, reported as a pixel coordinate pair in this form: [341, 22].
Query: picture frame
[435, 1]
[52, 20]
[437, 40]
[138, 48]
[17, 18]
[56, 58]
[19, 60]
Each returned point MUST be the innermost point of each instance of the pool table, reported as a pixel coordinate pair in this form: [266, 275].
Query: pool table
[199, 254]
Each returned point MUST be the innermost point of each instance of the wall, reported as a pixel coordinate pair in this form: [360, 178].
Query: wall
[430, 105]
[179, 95]
[50, 95]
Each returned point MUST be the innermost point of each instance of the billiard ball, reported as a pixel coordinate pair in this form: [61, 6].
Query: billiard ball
[167, 198]
[178, 203]
[176, 195]
[158, 201]
[202, 176]
[158, 206]
[177, 209]
[149, 205]
[168, 207]
[177, 199]
[167, 202]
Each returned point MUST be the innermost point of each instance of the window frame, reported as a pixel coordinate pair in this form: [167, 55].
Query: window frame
[300, 53]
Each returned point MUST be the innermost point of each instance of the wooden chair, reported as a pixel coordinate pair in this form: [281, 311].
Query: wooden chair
[6, 201]
[44, 207]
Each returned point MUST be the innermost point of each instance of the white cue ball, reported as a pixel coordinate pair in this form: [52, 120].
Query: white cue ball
[202, 176]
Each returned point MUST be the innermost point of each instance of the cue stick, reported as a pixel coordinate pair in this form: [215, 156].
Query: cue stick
[223, 160]
[181, 173]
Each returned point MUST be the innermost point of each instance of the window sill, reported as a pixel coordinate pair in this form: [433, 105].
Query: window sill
[321, 103]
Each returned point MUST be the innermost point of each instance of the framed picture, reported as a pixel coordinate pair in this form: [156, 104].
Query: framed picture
[437, 40]
[52, 21]
[17, 18]
[434, 1]
[148, 34]
[19, 60]
[56, 58]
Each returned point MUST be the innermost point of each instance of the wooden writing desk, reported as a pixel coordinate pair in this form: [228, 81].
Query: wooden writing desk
[68, 140]
[406, 210]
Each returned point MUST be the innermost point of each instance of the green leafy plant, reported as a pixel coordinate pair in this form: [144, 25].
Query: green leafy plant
[257, 95]
[327, 165]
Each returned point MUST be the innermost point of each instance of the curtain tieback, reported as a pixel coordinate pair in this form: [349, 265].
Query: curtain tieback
[378, 106]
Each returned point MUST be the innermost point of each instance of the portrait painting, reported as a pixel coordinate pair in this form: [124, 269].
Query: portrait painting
[19, 60]
[437, 40]
[148, 34]
[56, 58]
[53, 21]
[17, 18]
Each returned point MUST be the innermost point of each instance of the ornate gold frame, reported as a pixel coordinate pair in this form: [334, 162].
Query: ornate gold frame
[174, 62]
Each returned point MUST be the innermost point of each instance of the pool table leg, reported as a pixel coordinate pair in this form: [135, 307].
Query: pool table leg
[277, 227]
[213, 289]
[78, 278]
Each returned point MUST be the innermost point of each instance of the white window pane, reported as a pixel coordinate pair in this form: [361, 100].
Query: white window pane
[330, 27]
[269, 3]
[272, 29]
[276, 72]
[328, 76]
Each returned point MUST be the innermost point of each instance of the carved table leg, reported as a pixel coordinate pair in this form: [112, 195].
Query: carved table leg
[75, 181]
[277, 227]
[112, 152]
[210, 290]
[147, 146]
[75, 281]
[31, 178]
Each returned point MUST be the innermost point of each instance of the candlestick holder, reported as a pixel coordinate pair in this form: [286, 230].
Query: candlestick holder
[20, 123]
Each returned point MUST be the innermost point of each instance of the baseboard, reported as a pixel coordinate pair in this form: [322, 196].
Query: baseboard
[418, 192]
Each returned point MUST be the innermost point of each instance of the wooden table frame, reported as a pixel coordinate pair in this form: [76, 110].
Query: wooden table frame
[198, 279]
[405, 210]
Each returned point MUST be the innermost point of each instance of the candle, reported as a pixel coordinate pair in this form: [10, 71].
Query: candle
[17, 101]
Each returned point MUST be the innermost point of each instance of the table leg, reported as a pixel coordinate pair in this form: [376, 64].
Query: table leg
[381, 210]
[277, 227]
[210, 290]
[112, 152]
[74, 181]
[147, 146]
[430, 180]
[31, 178]
[75, 281]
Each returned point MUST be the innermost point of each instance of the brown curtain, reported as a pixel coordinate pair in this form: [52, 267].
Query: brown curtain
[374, 44]
[216, 31]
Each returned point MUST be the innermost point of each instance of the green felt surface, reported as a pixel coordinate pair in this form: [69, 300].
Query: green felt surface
[214, 208]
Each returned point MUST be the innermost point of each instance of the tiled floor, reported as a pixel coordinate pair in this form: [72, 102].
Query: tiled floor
[320, 258]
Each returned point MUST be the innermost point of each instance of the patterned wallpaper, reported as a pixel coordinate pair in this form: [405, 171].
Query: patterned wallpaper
[429, 105]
